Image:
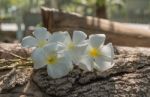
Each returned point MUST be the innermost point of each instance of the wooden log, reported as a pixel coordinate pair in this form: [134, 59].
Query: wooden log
[117, 33]
[130, 77]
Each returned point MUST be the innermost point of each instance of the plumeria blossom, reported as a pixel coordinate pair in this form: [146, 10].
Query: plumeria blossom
[76, 46]
[59, 51]
[97, 55]
[40, 38]
[57, 37]
[57, 62]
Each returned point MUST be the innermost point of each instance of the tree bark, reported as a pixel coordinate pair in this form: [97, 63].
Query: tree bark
[130, 77]
[118, 33]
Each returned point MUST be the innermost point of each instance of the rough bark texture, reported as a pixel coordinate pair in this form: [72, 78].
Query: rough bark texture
[130, 77]
[117, 33]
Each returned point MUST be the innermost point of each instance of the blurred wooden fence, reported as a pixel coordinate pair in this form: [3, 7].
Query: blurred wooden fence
[117, 33]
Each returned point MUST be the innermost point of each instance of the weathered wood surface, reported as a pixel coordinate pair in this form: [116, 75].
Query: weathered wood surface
[130, 77]
[117, 33]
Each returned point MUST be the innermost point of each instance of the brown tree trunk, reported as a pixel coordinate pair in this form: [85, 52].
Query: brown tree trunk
[101, 12]
[101, 9]
[130, 77]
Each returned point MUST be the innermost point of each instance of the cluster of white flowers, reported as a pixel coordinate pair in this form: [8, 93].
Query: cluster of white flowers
[59, 52]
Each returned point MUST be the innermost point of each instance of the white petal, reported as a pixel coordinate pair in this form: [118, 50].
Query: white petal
[78, 36]
[77, 52]
[52, 48]
[103, 64]
[29, 41]
[57, 37]
[86, 63]
[38, 58]
[41, 33]
[67, 38]
[108, 51]
[66, 60]
[62, 68]
[97, 40]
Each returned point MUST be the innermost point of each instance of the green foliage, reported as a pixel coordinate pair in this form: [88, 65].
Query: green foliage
[100, 2]
[39, 24]
[84, 7]
[116, 7]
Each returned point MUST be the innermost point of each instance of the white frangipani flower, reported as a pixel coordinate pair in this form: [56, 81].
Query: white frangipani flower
[58, 63]
[57, 37]
[40, 38]
[76, 46]
[97, 55]
[58, 51]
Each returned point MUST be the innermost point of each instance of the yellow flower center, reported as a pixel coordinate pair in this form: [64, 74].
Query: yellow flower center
[71, 45]
[52, 59]
[41, 43]
[94, 52]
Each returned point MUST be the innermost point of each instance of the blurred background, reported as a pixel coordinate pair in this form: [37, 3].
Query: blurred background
[20, 17]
